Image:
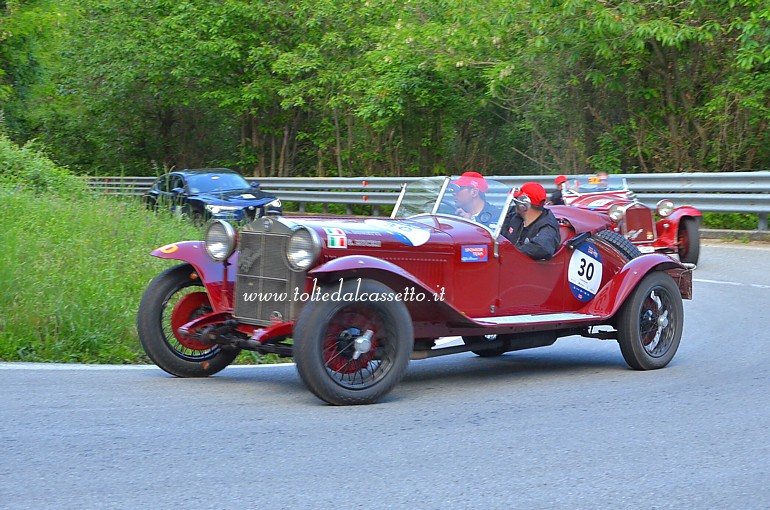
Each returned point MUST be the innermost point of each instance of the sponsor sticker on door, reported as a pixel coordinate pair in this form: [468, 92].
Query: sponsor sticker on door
[474, 253]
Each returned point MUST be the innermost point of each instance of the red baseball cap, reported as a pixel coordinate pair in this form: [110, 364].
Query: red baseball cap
[560, 179]
[472, 180]
[534, 191]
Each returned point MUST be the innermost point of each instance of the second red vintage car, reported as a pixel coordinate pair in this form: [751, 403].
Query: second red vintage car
[354, 299]
[666, 229]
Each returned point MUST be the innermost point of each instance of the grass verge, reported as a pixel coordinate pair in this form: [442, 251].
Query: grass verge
[72, 273]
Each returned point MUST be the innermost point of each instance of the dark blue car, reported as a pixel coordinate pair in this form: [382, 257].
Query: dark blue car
[218, 193]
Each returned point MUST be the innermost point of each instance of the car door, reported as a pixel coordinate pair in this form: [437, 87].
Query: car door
[528, 286]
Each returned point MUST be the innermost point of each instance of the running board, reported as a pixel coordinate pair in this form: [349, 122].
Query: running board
[545, 318]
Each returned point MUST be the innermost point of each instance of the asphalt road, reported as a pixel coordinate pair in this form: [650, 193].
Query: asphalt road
[566, 426]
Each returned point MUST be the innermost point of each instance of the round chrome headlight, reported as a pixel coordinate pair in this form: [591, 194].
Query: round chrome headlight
[302, 249]
[665, 208]
[221, 239]
[616, 212]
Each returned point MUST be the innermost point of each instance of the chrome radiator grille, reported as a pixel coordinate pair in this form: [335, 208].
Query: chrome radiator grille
[264, 285]
[638, 225]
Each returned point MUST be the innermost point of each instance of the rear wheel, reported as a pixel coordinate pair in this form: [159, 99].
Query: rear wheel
[174, 298]
[650, 323]
[689, 240]
[353, 352]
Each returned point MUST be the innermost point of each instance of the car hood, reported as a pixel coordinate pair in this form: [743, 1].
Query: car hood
[375, 234]
[240, 197]
[601, 202]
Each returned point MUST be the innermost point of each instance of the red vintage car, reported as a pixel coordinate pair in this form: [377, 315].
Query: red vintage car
[354, 299]
[667, 229]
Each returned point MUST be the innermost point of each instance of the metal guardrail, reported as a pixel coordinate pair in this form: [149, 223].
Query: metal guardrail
[736, 192]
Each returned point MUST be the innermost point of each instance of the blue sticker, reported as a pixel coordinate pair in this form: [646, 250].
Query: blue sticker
[474, 253]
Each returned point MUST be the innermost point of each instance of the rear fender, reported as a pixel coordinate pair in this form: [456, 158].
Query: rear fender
[217, 277]
[609, 299]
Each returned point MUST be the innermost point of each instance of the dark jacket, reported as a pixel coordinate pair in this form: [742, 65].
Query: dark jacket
[488, 216]
[556, 198]
[539, 240]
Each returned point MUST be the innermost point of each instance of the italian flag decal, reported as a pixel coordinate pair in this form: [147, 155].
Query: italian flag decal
[336, 238]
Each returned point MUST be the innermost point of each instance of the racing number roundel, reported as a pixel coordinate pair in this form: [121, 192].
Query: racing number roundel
[585, 272]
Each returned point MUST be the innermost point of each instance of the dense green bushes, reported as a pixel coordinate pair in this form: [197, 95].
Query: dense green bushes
[26, 168]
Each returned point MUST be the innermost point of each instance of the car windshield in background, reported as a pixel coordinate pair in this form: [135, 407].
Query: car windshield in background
[435, 195]
[594, 183]
[207, 183]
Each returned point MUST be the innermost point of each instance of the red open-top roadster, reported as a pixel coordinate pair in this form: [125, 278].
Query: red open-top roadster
[354, 299]
[666, 229]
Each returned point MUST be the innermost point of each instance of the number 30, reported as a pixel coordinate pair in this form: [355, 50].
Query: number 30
[586, 270]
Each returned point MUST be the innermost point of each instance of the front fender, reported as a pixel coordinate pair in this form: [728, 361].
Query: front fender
[684, 211]
[217, 277]
[610, 298]
[668, 228]
[431, 309]
[363, 266]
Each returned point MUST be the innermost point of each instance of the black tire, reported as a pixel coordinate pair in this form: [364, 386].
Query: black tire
[325, 336]
[689, 240]
[491, 352]
[620, 243]
[650, 323]
[155, 321]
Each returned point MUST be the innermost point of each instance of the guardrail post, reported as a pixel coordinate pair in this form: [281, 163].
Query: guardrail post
[762, 221]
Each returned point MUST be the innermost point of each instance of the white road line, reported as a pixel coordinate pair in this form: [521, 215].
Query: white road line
[720, 282]
[735, 284]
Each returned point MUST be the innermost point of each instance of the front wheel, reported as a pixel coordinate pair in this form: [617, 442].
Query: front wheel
[353, 352]
[174, 298]
[650, 323]
[689, 241]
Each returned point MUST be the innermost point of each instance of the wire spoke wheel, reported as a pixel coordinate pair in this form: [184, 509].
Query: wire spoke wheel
[174, 298]
[181, 307]
[656, 324]
[353, 352]
[650, 322]
[347, 357]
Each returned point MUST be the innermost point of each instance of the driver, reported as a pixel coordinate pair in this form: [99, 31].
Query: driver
[532, 229]
[470, 201]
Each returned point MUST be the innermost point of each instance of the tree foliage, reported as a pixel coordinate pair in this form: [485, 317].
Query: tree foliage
[388, 87]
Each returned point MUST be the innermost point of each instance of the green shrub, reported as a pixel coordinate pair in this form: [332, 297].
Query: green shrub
[27, 168]
[730, 221]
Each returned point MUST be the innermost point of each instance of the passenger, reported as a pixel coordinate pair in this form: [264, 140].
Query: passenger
[470, 201]
[557, 197]
[531, 227]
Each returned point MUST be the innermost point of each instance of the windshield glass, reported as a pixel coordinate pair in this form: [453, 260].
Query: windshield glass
[206, 183]
[440, 195]
[596, 183]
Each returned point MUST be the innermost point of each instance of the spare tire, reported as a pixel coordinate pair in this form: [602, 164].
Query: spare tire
[620, 243]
